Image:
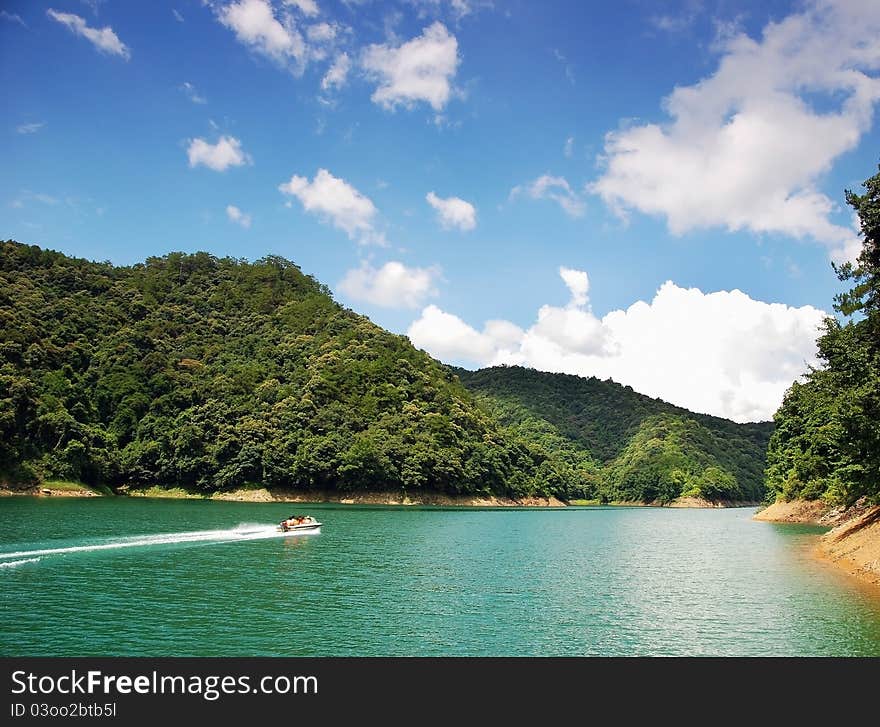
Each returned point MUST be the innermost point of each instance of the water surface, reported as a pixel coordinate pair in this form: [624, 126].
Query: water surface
[404, 581]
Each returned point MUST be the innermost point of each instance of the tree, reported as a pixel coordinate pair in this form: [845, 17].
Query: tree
[827, 438]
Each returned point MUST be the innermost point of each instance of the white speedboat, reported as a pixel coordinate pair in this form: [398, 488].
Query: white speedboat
[299, 524]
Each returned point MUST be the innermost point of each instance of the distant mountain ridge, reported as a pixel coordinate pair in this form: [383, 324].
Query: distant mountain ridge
[641, 448]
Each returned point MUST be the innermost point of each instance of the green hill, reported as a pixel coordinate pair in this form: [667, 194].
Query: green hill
[640, 448]
[211, 374]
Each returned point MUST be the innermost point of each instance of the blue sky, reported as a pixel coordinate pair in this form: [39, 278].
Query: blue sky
[604, 176]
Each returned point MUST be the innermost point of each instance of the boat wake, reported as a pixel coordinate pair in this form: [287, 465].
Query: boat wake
[242, 532]
[16, 563]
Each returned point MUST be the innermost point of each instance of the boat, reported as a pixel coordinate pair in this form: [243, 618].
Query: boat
[299, 524]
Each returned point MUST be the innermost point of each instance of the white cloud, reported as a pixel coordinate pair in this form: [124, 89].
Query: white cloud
[569, 69]
[578, 284]
[555, 188]
[721, 353]
[27, 196]
[568, 149]
[745, 147]
[393, 285]
[31, 128]
[12, 18]
[192, 94]
[306, 7]
[335, 200]
[237, 216]
[421, 69]
[278, 31]
[337, 74]
[177, 16]
[227, 152]
[453, 212]
[255, 25]
[104, 39]
[449, 338]
[458, 8]
[321, 32]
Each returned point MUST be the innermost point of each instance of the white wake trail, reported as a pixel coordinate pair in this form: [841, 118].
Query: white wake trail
[16, 563]
[248, 532]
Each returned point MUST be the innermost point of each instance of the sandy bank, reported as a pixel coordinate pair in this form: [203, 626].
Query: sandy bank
[683, 502]
[796, 511]
[50, 490]
[853, 543]
[354, 498]
[700, 502]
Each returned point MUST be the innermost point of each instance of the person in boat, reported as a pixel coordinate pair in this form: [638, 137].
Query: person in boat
[294, 520]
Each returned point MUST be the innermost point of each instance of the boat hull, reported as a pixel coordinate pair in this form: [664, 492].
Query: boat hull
[310, 528]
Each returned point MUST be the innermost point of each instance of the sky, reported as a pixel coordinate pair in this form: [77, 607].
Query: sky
[649, 191]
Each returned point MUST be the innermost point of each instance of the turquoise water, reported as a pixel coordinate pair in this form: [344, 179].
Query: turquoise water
[402, 581]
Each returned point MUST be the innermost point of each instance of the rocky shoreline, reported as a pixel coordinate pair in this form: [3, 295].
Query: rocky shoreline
[853, 541]
[371, 497]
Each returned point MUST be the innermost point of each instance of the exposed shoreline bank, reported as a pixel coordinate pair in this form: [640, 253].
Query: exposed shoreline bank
[371, 497]
[853, 541]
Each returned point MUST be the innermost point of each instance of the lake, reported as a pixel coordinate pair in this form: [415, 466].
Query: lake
[127, 576]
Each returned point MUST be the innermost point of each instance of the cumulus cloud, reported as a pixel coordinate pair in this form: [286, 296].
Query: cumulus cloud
[321, 32]
[104, 39]
[394, 285]
[578, 284]
[422, 69]
[336, 201]
[554, 188]
[237, 216]
[448, 337]
[337, 74]
[456, 8]
[306, 7]
[721, 353]
[227, 152]
[256, 26]
[744, 148]
[453, 212]
[289, 34]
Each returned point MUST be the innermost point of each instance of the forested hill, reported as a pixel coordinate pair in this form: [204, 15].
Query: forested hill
[211, 373]
[645, 448]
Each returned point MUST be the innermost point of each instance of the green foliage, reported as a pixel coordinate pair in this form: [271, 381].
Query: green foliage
[208, 374]
[627, 446]
[827, 438]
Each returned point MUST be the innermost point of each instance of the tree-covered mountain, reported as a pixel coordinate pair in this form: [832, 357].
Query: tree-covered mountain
[212, 374]
[639, 448]
[209, 373]
[827, 438]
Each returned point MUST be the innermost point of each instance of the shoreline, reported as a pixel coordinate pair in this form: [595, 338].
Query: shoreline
[372, 497]
[369, 497]
[852, 542]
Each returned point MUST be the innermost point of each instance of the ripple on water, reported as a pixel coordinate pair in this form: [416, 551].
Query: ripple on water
[402, 581]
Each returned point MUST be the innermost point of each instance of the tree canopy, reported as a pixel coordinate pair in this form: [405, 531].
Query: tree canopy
[629, 446]
[827, 438]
